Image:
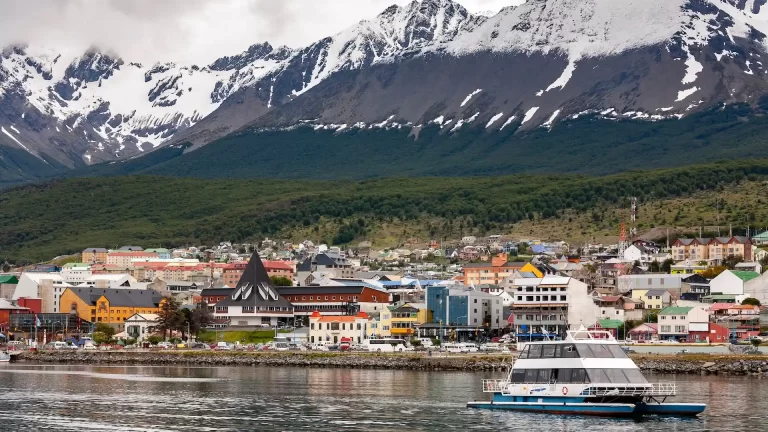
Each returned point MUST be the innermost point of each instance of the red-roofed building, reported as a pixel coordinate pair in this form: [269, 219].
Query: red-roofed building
[331, 329]
[645, 332]
[123, 259]
[719, 309]
[232, 271]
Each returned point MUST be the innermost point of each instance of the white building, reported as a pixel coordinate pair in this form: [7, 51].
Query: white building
[331, 329]
[739, 283]
[675, 322]
[669, 282]
[46, 286]
[140, 326]
[552, 304]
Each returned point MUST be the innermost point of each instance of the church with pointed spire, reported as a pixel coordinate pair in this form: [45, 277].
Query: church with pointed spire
[254, 301]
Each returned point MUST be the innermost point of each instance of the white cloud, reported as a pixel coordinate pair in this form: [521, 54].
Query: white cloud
[186, 30]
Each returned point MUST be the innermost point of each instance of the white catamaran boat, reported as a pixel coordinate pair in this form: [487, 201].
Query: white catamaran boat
[588, 374]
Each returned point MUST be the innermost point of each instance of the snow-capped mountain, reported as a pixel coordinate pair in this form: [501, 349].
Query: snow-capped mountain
[430, 61]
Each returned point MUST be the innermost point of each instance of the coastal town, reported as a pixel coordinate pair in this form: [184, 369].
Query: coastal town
[475, 294]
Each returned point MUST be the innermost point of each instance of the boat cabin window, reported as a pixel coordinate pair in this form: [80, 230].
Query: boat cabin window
[548, 351]
[549, 376]
[524, 352]
[533, 351]
[616, 376]
[601, 351]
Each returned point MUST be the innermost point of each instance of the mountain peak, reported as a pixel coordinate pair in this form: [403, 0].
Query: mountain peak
[259, 51]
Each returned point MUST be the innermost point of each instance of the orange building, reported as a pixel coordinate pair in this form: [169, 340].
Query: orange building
[110, 306]
[94, 255]
[493, 272]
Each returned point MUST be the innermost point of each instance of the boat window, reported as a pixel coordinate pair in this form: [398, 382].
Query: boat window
[579, 376]
[535, 352]
[531, 375]
[635, 376]
[616, 376]
[584, 351]
[564, 375]
[597, 376]
[548, 351]
[601, 351]
[569, 351]
[617, 351]
[524, 354]
[518, 376]
[544, 376]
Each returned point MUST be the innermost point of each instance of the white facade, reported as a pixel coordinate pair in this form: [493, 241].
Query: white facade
[727, 283]
[696, 319]
[758, 288]
[46, 286]
[140, 326]
[251, 318]
[555, 293]
[331, 329]
[633, 253]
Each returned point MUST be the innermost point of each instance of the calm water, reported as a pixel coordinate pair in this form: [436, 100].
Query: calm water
[87, 398]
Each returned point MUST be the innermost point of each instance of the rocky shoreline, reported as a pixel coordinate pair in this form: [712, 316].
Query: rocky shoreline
[697, 364]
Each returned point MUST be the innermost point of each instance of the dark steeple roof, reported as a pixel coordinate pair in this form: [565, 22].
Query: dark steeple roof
[254, 288]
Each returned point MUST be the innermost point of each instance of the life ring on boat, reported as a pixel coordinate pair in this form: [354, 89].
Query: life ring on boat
[565, 391]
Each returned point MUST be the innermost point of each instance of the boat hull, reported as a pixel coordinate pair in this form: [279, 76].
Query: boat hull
[582, 406]
[574, 408]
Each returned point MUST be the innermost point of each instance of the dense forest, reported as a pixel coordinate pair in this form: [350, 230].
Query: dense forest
[587, 145]
[44, 220]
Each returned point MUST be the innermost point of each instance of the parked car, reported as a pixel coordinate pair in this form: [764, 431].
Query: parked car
[200, 346]
[165, 345]
[224, 346]
[89, 346]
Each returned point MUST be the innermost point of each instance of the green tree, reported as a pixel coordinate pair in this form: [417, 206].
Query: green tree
[201, 318]
[652, 317]
[654, 267]
[731, 261]
[666, 266]
[280, 281]
[764, 261]
[751, 301]
[107, 330]
[168, 316]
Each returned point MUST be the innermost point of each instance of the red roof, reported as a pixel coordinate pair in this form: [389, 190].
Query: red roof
[143, 254]
[720, 306]
[610, 298]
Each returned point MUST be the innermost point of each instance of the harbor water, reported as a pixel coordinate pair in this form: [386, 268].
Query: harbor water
[120, 398]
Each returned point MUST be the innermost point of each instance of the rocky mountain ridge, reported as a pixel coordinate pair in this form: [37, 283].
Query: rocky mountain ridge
[428, 62]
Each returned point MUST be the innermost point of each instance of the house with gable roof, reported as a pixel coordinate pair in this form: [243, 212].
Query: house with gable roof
[254, 302]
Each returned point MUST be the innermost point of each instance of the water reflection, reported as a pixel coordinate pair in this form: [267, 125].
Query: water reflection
[171, 398]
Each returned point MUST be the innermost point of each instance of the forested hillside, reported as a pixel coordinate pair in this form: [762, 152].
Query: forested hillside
[586, 145]
[41, 221]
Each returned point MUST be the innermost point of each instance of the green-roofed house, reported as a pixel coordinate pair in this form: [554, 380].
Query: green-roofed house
[741, 283]
[162, 253]
[8, 286]
[609, 325]
[676, 322]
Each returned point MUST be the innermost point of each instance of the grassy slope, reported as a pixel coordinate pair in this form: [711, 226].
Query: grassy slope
[41, 221]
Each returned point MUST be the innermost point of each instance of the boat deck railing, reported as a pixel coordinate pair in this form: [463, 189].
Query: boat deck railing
[595, 389]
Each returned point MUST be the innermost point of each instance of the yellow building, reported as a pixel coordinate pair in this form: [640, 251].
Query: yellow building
[493, 272]
[94, 255]
[109, 306]
[406, 318]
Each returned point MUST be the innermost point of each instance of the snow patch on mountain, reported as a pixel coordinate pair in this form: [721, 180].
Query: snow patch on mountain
[684, 94]
[529, 114]
[470, 96]
[14, 139]
[494, 119]
[565, 77]
[508, 122]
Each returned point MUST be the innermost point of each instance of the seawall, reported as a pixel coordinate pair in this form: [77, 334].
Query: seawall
[673, 364]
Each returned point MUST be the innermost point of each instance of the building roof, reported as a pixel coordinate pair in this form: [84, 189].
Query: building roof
[217, 291]
[720, 306]
[654, 327]
[118, 297]
[610, 323]
[131, 248]
[9, 279]
[335, 318]
[763, 236]
[255, 288]
[609, 298]
[746, 276]
[144, 317]
[509, 264]
[721, 297]
[95, 250]
[6, 305]
[656, 292]
[696, 279]
[675, 310]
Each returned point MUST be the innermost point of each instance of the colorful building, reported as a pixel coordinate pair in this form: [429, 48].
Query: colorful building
[94, 255]
[493, 272]
[231, 272]
[407, 318]
[124, 258]
[110, 306]
[331, 329]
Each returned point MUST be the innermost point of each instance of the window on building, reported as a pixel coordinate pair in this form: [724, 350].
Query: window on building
[562, 298]
[326, 298]
[333, 298]
[334, 326]
[303, 298]
[312, 326]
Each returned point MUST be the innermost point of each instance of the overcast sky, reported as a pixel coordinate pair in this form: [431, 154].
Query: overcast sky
[186, 30]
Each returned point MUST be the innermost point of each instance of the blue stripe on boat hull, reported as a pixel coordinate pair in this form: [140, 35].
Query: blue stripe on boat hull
[678, 409]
